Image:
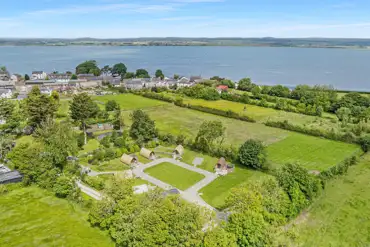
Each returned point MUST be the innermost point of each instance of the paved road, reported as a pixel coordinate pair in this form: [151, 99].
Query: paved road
[190, 194]
[89, 191]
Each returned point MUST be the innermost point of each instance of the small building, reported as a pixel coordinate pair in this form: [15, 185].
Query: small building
[178, 152]
[222, 168]
[38, 75]
[4, 76]
[222, 88]
[10, 177]
[6, 93]
[128, 160]
[146, 153]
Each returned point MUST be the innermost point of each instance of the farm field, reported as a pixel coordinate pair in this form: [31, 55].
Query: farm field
[174, 175]
[33, 217]
[340, 217]
[177, 120]
[208, 161]
[216, 192]
[91, 145]
[311, 152]
[128, 101]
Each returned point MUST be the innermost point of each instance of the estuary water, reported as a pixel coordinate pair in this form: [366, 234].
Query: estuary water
[342, 68]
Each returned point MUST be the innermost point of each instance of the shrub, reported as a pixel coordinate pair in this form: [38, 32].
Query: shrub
[365, 143]
[105, 141]
[95, 182]
[65, 187]
[252, 154]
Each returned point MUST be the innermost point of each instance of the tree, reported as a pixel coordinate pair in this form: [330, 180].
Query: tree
[142, 73]
[74, 77]
[26, 77]
[119, 188]
[142, 127]
[252, 154]
[227, 82]
[218, 237]
[111, 105]
[279, 91]
[88, 67]
[118, 121]
[119, 69]
[6, 144]
[6, 109]
[129, 75]
[82, 108]
[159, 74]
[343, 114]
[208, 133]
[59, 141]
[3, 69]
[106, 70]
[176, 77]
[65, 187]
[256, 91]
[245, 84]
[365, 143]
[39, 107]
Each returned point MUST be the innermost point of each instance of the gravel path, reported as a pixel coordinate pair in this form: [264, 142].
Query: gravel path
[89, 191]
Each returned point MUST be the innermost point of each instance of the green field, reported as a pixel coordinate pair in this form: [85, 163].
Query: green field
[208, 161]
[216, 192]
[340, 217]
[34, 217]
[174, 175]
[91, 145]
[129, 101]
[311, 152]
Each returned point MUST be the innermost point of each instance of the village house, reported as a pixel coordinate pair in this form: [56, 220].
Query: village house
[38, 75]
[6, 93]
[4, 76]
[134, 84]
[222, 88]
[16, 78]
[60, 78]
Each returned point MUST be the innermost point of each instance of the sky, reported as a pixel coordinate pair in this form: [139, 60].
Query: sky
[184, 18]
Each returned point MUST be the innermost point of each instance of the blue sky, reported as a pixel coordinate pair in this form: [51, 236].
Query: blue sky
[185, 18]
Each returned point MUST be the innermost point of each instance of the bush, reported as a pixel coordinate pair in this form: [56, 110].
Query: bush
[365, 143]
[65, 187]
[252, 154]
[110, 154]
[95, 182]
[105, 141]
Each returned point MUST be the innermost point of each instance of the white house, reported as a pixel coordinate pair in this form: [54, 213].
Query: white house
[38, 75]
[6, 93]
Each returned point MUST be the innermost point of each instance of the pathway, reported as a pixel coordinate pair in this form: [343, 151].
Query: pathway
[191, 194]
[89, 191]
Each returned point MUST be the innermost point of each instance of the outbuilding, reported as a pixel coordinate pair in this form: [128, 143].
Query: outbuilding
[128, 159]
[222, 168]
[146, 153]
[179, 151]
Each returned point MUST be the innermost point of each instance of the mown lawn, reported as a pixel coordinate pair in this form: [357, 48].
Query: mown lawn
[91, 145]
[216, 192]
[311, 152]
[34, 217]
[129, 101]
[341, 215]
[174, 175]
[208, 161]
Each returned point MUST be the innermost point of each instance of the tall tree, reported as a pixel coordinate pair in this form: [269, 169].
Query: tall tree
[39, 107]
[142, 73]
[6, 108]
[252, 154]
[26, 77]
[142, 128]
[208, 133]
[118, 121]
[106, 70]
[119, 69]
[159, 74]
[82, 108]
[88, 67]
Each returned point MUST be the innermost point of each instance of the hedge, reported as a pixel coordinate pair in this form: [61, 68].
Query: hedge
[339, 169]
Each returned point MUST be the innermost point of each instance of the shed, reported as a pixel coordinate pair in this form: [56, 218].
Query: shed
[147, 154]
[179, 150]
[128, 160]
[10, 177]
[221, 164]
[222, 168]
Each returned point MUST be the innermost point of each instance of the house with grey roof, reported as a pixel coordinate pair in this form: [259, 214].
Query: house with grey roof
[60, 78]
[134, 84]
[4, 76]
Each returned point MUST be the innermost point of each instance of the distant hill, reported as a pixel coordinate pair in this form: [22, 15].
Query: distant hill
[176, 41]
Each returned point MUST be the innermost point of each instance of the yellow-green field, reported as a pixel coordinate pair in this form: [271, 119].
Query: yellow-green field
[129, 101]
[34, 217]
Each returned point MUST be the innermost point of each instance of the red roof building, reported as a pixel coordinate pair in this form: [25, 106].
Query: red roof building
[222, 88]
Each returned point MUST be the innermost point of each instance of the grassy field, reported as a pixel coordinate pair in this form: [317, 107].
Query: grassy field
[33, 217]
[216, 192]
[177, 120]
[91, 145]
[174, 175]
[129, 101]
[25, 140]
[340, 217]
[208, 161]
[311, 152]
